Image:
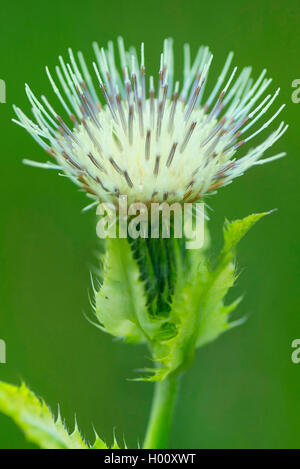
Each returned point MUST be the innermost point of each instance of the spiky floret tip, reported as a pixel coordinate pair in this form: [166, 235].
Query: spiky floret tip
[152, 140]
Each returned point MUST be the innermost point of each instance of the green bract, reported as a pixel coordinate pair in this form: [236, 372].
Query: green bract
[158, 292]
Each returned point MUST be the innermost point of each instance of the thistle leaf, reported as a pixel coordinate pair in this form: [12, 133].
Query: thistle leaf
[177, 353]
[236, 230]
[36, 420]
[121, 302]
[157, 291]
[99, 444]
[198, 311]
[214, 315]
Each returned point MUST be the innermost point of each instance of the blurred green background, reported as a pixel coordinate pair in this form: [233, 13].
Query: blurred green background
[243, 391]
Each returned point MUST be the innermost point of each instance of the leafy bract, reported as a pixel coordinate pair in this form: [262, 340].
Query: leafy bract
[121, 303]
[198, 308]
[192, 289]
[214, 315]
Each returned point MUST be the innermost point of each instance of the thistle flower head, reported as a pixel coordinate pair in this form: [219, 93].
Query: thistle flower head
[151, 138]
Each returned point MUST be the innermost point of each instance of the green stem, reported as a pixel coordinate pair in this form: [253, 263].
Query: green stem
[160, 421]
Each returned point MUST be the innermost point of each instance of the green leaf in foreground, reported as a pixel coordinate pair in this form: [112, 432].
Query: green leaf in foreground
[35, 419]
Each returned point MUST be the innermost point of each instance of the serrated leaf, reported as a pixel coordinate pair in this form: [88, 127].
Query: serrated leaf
[214, 315]
[121, 302]
[115, 445]
[236, 230]
[178, 352]
[99, 444]
[198, 310]
[158, 291]
[36, 420]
